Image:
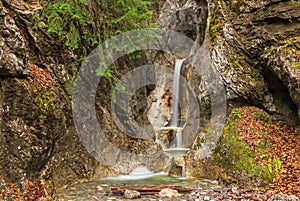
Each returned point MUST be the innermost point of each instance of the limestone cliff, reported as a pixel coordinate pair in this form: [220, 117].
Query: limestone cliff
[254, 47]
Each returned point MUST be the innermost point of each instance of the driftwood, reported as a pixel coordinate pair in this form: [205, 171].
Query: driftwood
[148, 190]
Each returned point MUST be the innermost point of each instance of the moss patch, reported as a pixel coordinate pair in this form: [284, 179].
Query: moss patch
[41, 83]
[288, 49]
[250, 158]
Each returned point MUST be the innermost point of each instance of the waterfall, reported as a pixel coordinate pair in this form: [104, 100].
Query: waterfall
[179, 139]
[175, 121]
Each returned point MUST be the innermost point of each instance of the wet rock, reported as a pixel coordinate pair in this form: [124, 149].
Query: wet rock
[131, 194]
[168, 193]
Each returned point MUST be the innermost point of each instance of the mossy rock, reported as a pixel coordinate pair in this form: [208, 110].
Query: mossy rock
[242, 164]
[238, 156]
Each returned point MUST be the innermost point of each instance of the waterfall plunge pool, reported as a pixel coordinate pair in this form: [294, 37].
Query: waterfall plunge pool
[98, 189]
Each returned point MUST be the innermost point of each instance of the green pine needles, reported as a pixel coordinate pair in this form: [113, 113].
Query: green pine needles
[92, 21]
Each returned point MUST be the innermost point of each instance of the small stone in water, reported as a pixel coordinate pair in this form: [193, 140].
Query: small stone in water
[206, 198]
[131, 194]
[168, 193]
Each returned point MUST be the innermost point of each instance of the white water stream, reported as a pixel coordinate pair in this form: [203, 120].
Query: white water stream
[175, 123]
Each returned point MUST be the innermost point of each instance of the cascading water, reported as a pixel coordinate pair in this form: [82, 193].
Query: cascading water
[175, 122]
[177, 91]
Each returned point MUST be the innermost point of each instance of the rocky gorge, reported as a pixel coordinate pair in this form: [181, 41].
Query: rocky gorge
[253, 47]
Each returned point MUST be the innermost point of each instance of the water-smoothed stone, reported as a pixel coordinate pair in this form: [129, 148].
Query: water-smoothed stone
[168, 193]
[131, 194]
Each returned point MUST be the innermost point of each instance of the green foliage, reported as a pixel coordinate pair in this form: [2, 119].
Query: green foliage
[275, 165]
[85, 21]
[265, 117]
[70, 20]
[296, 65]
[71, 84]
[44, 99]
[118, 87]
[105, 72]
[75, 21]
[235, 114]
[132, 14]
[37, 21]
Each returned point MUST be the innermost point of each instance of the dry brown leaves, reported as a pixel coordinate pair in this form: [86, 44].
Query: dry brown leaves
[39, 77]
[284, 143]
[30, 191]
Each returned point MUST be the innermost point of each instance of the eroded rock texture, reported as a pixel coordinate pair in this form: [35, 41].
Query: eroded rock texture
[38, 138]
[37, 133]
[255, 47]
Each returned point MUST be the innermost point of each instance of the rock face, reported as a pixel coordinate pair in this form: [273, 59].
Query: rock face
[254, 47]
[37, 132]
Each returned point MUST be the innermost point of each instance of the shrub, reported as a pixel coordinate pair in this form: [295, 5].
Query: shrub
[75, 21]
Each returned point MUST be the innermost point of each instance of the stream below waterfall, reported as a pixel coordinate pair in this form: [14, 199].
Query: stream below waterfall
[99, 189]
[203, 189]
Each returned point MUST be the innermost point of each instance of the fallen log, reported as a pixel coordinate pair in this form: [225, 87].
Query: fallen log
[148, 190]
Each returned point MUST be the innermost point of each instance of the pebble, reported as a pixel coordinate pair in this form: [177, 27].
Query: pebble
[168, 193]
[131, 194]
[200, 193]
